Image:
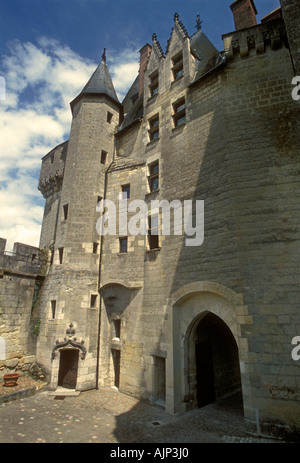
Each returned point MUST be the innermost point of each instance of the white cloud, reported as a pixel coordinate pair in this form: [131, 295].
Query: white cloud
[40, 79]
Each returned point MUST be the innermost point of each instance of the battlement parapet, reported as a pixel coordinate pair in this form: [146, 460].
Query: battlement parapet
[23, 259]
[270, 33]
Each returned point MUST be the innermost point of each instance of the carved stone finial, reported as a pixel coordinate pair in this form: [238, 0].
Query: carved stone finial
[154, 37]
[104, 55]
[176, 17]
[199, 23]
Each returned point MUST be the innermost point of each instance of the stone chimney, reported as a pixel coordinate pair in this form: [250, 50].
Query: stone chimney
[244, 14]
[144, 56]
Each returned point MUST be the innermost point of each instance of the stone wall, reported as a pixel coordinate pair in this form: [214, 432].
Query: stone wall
[291, 12]
[20, 281]
[238, 153]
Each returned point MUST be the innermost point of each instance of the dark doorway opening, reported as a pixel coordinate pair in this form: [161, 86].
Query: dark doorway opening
[159, 380]
[217, 361]
[116, 354]
[68, 368]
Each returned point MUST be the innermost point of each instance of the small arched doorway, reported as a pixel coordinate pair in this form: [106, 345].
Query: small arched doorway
[217, 369]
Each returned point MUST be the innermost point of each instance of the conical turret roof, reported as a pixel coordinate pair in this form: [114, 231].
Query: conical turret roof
[100, 83]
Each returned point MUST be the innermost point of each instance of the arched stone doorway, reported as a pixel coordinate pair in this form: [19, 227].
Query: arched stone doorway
[223, 308]
[216, 366]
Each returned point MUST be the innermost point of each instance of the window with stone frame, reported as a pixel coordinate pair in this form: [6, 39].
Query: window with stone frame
[179, 112]
[123, 242]
[125, 191]
[154, 84]
[153, 177]
[177, 66]
[153, 231]
[154, 128]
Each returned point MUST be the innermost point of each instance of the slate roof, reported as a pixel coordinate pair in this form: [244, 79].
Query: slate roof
[206, 54]
[100, 83]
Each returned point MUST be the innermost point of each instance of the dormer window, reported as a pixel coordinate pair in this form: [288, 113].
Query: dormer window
[177, 66]
[154, 84]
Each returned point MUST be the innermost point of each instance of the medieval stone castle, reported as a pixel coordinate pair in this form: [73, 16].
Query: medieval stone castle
[179, 326]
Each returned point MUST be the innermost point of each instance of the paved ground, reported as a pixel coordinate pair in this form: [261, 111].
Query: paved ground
[108, 416]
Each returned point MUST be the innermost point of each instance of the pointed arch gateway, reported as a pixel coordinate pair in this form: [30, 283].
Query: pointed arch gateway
[206, 337]
[213, 360]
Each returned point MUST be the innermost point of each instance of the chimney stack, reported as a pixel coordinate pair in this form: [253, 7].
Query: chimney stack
[144, 56]
[244, 14]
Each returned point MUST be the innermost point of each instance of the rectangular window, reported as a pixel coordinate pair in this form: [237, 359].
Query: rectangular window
[153, 178]
[61, 255]
[179, 112]
[103, 157]
[109, 117]
[153, 84]
[65, 211]
[94, 301]
[154, 128]
[123, 245]
[95, 248]
[153, 231]
[177, 68]
[53, 308]
[125, 191]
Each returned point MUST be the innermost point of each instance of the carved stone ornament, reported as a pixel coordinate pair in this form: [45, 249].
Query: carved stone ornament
[69, 343]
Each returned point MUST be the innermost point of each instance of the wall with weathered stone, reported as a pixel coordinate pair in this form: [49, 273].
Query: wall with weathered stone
[19, 279]
[238, 153]
[291, 12]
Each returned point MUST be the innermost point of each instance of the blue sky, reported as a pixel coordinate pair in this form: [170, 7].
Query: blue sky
[48, 51]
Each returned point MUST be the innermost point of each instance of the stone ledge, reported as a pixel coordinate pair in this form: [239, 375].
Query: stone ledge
[28, 392]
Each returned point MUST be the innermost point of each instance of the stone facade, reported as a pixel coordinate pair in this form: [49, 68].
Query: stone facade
[138, 312]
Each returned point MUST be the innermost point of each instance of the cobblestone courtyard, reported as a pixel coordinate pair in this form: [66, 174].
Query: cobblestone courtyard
[108, 416]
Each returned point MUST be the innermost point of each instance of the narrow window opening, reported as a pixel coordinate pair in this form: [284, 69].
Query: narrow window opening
[123, 245]
[125, 191]
[53, 308]
[95, 248]
[65, 211]
[94, 301]
[61, 255]
[103, 157]
[109, 117]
